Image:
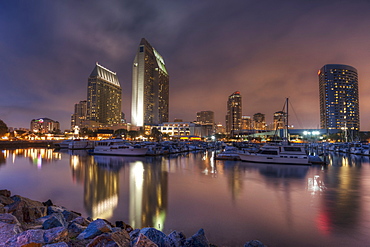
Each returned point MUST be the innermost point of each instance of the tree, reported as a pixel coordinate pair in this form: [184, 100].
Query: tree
[3, 128]
[156, 134]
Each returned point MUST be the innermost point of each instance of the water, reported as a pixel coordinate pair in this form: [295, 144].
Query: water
[233, 201]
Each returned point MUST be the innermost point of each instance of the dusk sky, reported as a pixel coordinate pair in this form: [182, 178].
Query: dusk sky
[267, 50]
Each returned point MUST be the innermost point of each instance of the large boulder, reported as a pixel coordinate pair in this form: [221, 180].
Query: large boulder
[153, 234]
[143, 241]
[120, 239]
[26, 210]
[2, 209]
[9, 227]
[198, 239]
[75, 229]
[6, 200]
[175, 239]
[95, 228]
[38, 237]
[54, 220]
[5, 193]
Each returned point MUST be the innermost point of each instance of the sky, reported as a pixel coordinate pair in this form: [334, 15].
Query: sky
[267, 50]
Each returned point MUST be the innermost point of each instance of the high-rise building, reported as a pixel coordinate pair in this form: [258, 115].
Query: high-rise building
[339, 102]
[234, 113]
[44, 125]
[78, 118]
[150, 87]
[104, 96]
[259, 122]
[246, 123]
[206, 117]
[280, 119]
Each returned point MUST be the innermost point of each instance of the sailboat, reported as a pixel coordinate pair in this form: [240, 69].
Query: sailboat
[279, 153]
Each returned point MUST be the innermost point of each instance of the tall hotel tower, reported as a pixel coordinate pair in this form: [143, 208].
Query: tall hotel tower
[104, 96]
[150, 87]
[339, 103]
[234, 113]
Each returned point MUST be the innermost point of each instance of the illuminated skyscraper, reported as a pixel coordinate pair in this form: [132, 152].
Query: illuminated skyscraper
[280, 120]
[234, 113]
[259, 122]
[150, 87]
[104, 96]
[78, 118]
[339, 102]
[206, 117]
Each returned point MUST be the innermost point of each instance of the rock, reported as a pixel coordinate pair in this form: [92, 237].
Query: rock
[5, 193]
[94, 229]
[8, 231]
[9, 219]
[143, 241]
[154, 235]
[54, 220]
[198, 239]
[54, 209]
[121, 239]
[75, 229]
[61, 244]
[70, 215]
[175, 239]
[2, 209]
[121, 224]
[57, 234]
[48, 203]
[6, 200]
[26, 210]
[134, 233]
[254, 243]
[27, 237]
[81, 221]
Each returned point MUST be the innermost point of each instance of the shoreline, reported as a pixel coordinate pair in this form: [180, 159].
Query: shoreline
[24, 221]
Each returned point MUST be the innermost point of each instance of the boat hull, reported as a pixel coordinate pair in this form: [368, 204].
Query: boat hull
[274, 159]
[123, 152]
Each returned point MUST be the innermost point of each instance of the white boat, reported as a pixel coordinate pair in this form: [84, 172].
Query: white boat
[278, 154]
[230, 153]
[119, 147]
[282, 153]
[80, 144]
[64, 143]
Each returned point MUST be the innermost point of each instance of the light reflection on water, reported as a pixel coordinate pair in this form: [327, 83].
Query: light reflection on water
[233, 201]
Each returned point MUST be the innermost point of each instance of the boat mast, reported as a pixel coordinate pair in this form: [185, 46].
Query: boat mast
[287, 120]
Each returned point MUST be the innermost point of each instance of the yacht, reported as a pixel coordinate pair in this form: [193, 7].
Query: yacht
[119, 147]
[278, 154]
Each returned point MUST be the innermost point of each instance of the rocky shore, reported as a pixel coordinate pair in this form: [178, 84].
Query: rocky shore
[29, 223]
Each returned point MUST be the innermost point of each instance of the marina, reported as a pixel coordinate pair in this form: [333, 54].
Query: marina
[281, 205]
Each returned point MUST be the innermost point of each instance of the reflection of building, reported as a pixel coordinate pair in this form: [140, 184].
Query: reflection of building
[44, 125]
[100, 189]
[78, 118]
[103, 98]
[279, 120]
[259, 122]
[148, 195]
[150, 87]
[339, 102]
[234, 113]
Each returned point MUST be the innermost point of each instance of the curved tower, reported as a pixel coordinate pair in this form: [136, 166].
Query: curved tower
[339, 102]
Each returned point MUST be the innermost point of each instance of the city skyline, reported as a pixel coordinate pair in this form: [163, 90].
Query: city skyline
[266, 50]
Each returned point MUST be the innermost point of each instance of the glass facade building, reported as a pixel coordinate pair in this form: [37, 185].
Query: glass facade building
[339, 102]
[234, 114]
[150, 87]
[104, 98]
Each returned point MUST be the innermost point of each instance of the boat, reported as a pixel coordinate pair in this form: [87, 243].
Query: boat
[119, 147]
[230, 153]
[279, 153]
[81, 144]
[63, 144]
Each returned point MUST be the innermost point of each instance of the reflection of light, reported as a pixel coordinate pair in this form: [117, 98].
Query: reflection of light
[39, 161]
[74, 161]
[104, 209]
[315, 185]
[136, 193]
[159, 220]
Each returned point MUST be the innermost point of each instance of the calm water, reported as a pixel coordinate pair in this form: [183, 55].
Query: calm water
[232, 201]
